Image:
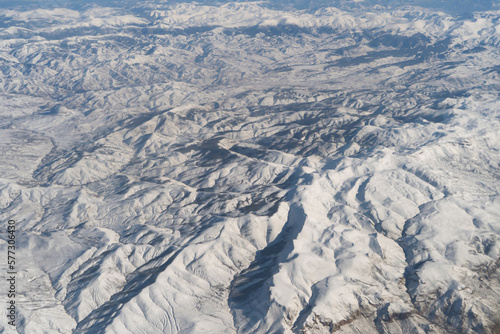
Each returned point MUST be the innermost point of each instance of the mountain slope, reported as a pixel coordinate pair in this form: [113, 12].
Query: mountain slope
[245, 168]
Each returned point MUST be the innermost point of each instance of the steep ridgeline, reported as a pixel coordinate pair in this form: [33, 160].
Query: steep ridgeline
[247, 168]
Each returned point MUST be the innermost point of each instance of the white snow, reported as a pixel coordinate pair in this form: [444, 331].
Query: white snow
[192, 168]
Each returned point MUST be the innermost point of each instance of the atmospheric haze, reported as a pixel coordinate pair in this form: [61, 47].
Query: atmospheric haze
[251, 167]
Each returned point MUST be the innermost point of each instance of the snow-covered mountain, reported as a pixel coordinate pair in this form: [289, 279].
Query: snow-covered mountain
[252, 167]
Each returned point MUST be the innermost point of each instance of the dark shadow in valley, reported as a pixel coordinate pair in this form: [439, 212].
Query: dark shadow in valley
[250, 297]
